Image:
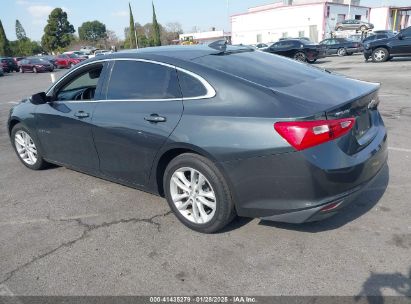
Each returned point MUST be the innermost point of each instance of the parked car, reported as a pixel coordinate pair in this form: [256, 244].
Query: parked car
[261, 45]
[9, 65]
[80, 54]
[385, 49]
[35, 65]
[50, 58]
[353, 24]
[300, 50]
[341, 46]
[377, 36]
[67, 61]
[215, 131]
[17, 60]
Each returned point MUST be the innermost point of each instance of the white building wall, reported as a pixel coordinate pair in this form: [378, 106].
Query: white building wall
[378, 17]
[271, 24]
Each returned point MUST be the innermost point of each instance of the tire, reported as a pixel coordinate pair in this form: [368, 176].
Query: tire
[363, 28]
[71, 65]
[349, 54]
[214, 185]
[339, 28]
[21, 70]
[341, 52]
[300, 56]
[35, 70]
[312, 61]
[380, 55]
[29, 162]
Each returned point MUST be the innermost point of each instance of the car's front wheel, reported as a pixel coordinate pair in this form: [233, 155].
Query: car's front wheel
[27, 148]
[198, 193]
[380, 55]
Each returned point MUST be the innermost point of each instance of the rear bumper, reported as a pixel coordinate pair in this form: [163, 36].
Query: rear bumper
[294, 187]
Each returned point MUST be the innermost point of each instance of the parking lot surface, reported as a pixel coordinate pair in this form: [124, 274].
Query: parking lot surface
[66, 233]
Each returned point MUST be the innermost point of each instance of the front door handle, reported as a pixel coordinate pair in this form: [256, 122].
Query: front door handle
[155, 118]
[81, 114]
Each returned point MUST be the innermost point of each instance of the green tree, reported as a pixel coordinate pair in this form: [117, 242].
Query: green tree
[92, 31]
[25, 47]
[4, 43]
[20, 32]
[156, 30]
[132, 31]
[58, 32]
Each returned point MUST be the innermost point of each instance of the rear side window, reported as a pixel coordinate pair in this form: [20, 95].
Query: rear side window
[142, 80]
[190, 86]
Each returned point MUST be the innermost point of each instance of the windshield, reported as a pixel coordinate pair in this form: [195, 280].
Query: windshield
[73, 55]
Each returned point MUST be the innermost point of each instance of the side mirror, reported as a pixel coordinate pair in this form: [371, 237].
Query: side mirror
[39, 98]
[400, 36]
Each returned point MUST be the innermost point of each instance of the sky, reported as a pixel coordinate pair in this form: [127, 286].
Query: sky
[203, 14]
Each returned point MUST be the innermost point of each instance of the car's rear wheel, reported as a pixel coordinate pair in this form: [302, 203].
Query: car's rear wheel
[27, 148]
[312, 61]
[198, 193]
[35, 70]
[21, 70]
[71, 65]
[341, 52]
[380, 55]
[363, 28]
[300, 56]
[339, 28]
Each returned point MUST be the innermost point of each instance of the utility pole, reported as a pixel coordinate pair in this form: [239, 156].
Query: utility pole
[349, 9]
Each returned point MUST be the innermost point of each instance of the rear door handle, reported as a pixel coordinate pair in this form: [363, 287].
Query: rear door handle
[155, 118]
[81, 114]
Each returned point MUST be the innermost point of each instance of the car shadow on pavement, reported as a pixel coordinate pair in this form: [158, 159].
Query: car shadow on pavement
[361, 205]
[377, 282]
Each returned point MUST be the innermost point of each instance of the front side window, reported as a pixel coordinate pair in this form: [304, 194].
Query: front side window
[82, 86]
[142, 80]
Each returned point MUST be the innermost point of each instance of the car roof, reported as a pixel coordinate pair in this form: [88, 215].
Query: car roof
[185, 53]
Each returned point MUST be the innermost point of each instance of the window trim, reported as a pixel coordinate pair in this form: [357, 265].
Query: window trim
[209, 89]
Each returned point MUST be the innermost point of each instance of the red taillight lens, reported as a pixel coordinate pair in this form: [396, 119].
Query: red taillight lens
[306, 134]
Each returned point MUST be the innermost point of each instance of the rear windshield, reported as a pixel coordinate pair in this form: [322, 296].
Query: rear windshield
[262, 68]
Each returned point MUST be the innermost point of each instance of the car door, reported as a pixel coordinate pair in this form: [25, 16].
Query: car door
[64, 124]
[143, 106]
[401, 44]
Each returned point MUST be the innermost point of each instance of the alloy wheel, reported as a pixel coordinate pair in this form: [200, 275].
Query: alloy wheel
[379, 55]
[299, 57]
[341, 52]
[25, 147]
[193, 195]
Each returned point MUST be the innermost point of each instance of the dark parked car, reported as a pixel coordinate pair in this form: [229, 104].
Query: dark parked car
[353, 24]
[8, 64]
[35, 65]
[300, 50]
[49, 58]
[385, 49]
[218, 132]
[341, 46]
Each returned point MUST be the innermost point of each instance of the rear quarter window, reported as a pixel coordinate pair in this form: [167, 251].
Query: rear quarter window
[190, 86]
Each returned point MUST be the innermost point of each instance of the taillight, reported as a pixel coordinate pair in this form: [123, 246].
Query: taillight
[306, 134]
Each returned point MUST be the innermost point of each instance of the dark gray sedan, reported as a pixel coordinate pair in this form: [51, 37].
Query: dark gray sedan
[219, 132]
